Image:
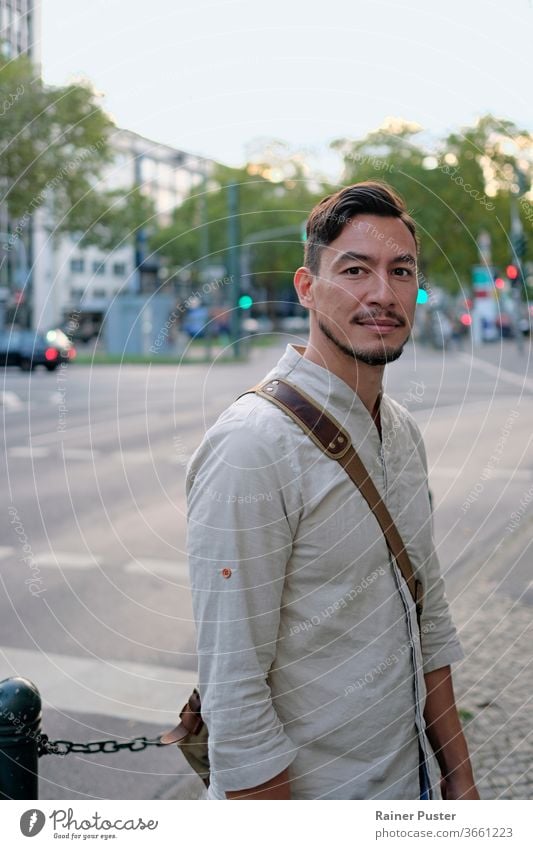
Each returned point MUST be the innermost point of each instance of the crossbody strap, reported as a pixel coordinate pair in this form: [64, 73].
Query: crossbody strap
[335, 441]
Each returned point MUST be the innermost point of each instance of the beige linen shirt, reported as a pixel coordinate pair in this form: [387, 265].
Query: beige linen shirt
[308, 648]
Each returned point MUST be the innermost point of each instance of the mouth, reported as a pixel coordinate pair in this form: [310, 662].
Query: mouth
[379, 325]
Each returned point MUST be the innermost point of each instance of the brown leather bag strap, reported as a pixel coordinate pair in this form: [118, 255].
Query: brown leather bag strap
[335, 441]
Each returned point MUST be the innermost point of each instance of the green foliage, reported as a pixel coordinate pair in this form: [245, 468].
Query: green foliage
[264, 204]
[54, 145]
[462, 187]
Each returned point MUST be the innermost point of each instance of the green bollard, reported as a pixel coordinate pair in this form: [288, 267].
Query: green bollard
[20, 723]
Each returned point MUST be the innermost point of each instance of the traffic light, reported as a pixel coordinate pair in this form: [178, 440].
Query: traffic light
[514, 275]
[245, 302]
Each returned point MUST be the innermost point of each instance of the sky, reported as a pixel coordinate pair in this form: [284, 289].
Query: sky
[214, 77]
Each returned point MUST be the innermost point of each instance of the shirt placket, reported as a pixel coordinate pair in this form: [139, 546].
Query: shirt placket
[417, 673]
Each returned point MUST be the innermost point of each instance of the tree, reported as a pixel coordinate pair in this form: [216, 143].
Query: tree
[270, 198]
[54, 145]
[454, 189]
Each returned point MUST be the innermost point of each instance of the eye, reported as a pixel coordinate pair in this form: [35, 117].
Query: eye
[354, 270]
[404, 272]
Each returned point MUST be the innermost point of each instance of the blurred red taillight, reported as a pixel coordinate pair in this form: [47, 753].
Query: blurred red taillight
[466, 319]
[51, 354]
[71, 353]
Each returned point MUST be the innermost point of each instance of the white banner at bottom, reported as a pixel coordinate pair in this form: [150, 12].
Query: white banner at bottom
[357, 824]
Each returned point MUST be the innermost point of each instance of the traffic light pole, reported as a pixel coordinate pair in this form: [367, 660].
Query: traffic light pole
[234, 265]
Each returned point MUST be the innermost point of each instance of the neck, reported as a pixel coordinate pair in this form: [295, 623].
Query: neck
[366, 381]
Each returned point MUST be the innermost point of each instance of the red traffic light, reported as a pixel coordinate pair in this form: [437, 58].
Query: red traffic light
[512, 272]
[499, 283]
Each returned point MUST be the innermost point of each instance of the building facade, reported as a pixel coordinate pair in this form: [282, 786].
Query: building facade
[20, 32]
[88, 279]
[49, 275]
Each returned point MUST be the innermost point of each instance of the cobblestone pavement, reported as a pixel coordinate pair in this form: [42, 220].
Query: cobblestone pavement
[494, 689]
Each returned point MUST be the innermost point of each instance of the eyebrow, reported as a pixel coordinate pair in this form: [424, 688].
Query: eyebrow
[348, 255]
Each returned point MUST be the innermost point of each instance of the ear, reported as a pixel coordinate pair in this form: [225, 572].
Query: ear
[303, 283]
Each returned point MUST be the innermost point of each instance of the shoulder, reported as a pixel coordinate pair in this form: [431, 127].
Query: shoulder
[248, 435]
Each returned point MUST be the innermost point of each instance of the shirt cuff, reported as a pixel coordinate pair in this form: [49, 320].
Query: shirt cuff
[244, 768]
[445, 656]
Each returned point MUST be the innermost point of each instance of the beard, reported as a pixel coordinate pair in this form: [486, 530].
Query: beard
[379, 357]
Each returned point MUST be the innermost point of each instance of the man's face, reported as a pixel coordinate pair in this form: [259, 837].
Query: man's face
[364, 295]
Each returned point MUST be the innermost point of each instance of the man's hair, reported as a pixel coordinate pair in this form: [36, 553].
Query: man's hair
[328, 217]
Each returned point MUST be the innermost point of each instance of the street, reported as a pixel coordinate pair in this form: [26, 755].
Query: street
[99, 614]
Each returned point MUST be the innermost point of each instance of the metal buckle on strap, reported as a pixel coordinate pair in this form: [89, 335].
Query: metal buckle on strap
[321, 427]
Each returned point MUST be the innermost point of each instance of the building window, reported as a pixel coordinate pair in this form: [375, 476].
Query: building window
[76, 294]
[98, 267]
[99, 293]
[77, 265]
[119, 269]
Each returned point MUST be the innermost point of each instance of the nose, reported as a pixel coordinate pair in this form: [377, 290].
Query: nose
[381, 293]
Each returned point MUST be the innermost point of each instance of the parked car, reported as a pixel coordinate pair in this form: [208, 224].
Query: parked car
[27, 349]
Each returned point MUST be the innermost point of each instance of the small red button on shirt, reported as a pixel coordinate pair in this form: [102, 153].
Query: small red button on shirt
[226, 573]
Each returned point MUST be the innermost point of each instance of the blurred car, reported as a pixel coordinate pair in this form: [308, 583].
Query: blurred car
[27, 349]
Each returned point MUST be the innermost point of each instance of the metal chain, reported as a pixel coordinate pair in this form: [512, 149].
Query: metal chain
[65, 747]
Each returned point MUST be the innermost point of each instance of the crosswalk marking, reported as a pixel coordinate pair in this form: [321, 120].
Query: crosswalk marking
[67, 559]
[139, 691]
[32, 451]
[488, 473]
[10, 400]
[80, 453]
[179, 569]
[88, 454]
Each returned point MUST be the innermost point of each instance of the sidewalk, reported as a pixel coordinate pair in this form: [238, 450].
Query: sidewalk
[494, 684]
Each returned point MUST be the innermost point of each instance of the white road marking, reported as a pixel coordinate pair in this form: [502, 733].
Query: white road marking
[56, 398]
[131, 456]
[139, 691]
[67, 560]
[126, 422]
[80, 453]
[31, 451]
[10, 400]
[488, 473]
[179, 570]
[497, 371]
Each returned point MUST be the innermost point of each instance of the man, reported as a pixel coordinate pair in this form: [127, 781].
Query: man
[314, 676]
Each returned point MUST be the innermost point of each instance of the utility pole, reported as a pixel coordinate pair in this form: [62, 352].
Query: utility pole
[518, 246]
[234, 264]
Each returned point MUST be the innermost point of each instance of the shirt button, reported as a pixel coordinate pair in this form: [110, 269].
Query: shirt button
[226, 573]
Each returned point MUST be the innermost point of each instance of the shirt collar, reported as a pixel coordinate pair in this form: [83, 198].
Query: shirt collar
[326, 388]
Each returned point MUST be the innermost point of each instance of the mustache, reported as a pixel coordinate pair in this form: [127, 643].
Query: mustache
[373, 315]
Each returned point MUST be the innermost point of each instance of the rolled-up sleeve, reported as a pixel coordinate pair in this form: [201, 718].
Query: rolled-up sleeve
[239, 542]
[440, 643]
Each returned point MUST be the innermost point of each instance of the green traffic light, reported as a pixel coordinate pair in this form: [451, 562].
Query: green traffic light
[245, 302]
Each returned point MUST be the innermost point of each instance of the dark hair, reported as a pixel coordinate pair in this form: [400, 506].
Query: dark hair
[333, 212]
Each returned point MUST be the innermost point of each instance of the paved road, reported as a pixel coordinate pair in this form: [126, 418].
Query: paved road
[94, 461]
